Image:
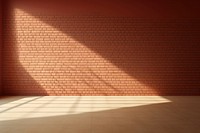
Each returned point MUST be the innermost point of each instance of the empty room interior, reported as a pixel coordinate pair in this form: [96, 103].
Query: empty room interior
[99, 66]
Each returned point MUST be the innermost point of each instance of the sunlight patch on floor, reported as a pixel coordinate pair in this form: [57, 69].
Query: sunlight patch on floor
[12, 108]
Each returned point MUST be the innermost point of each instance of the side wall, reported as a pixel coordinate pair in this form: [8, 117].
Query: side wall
[1, 43]
[116, 48]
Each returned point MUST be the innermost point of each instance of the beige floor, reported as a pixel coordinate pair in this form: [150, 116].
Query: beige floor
[100, 114]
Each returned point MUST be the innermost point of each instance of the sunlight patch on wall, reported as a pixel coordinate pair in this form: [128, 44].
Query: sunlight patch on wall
[62, 65]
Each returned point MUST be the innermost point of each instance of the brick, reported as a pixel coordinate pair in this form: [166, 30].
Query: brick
[99, 55]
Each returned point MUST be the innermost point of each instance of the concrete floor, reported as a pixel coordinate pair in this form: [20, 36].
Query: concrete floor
[99, 114]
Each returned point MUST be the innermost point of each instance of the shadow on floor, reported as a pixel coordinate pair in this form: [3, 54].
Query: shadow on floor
[3, 101]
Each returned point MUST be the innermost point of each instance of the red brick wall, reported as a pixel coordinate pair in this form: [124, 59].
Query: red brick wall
[101, 49]
[1, 42]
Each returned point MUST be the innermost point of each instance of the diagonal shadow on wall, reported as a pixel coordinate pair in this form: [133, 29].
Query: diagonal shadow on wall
[159, 53]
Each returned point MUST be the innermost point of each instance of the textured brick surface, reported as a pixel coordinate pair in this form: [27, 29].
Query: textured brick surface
[47, 54]
[1, 42]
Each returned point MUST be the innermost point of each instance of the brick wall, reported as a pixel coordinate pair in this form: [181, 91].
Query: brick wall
[99, 53]
[1, 42]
